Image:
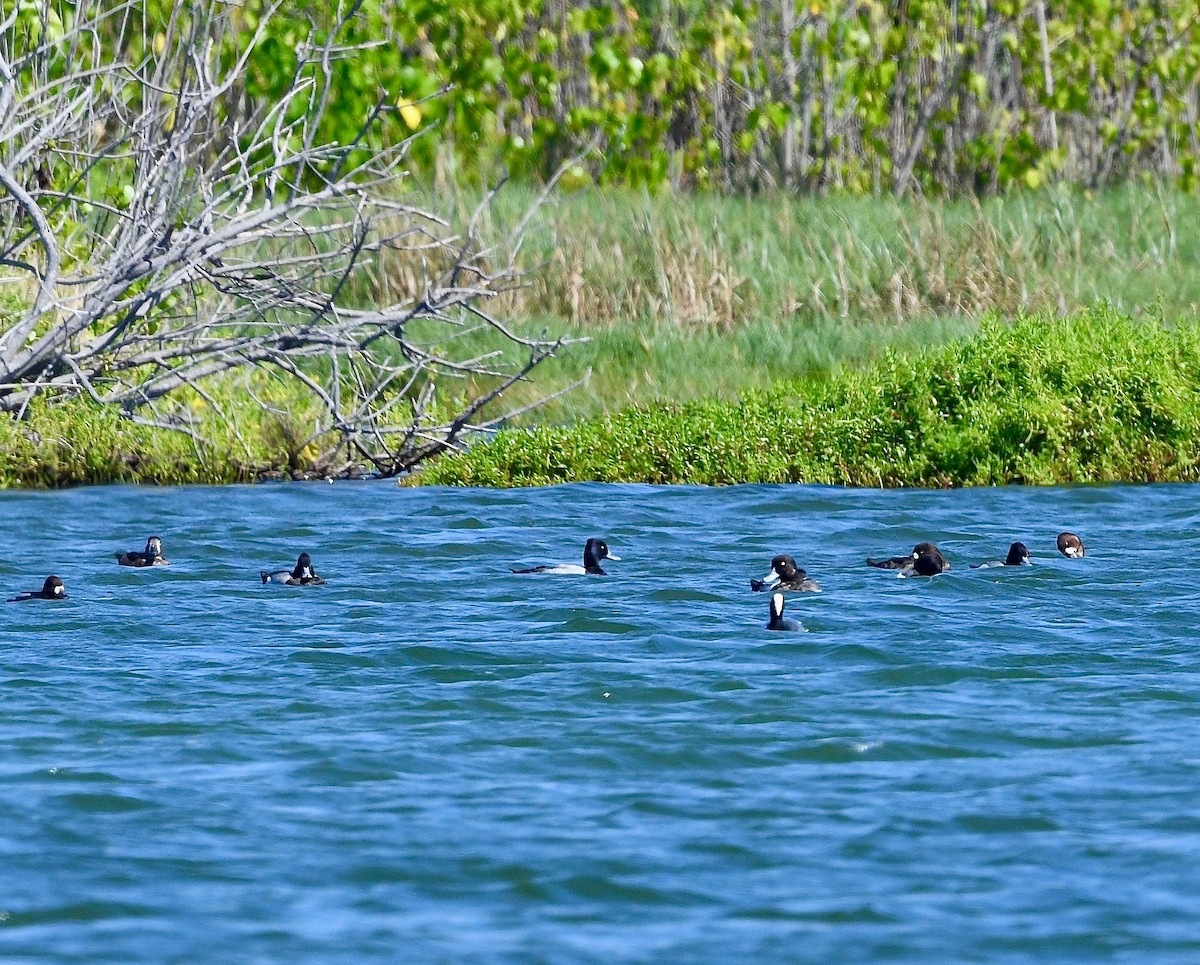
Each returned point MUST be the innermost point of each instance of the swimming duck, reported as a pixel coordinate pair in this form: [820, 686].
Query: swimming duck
[786, 575]
[52, 589]
[302, 575]
[594, 551]
[925, 560]
[778, 621]
[1071, 546]
[151, 556]
[928, 562]
[1018, 555]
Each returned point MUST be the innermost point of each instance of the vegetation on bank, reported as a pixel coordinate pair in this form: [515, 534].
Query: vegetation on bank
[1090, 398]
[848, 95]
[692, 297]
[239, 432]
[194, 190]
[813, 293]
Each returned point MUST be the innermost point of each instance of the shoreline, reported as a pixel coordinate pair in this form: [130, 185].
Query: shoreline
[1098, 397]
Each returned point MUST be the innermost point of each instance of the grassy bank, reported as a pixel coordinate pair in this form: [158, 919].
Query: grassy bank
[246, 438]
[698, 300]
[1095, 397]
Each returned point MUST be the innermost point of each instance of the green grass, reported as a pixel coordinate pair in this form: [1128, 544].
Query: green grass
[629, 361]
[80, 442]
[701, 261]
[1096, 397]
[686, 297]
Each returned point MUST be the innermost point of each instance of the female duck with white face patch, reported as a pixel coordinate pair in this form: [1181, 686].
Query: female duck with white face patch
[1071, 546]
[786, 575]
[52, 589]
[593, 552]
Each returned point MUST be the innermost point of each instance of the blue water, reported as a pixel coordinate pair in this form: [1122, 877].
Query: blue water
[433, 760]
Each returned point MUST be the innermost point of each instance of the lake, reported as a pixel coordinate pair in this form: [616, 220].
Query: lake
[431, 759]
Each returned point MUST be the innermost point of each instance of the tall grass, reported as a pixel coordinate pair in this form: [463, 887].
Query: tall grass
[686, 297]
[720, 262]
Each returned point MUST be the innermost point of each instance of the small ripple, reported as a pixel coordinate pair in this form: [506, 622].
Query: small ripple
[424, 654]
[27, 683]
[684, 595]
[1006, 823]
[836, 914]
[333, 658]
[587, 623]
[607, 888]
[79, 912]
[843, 751]
[101, 803]
[925, 675]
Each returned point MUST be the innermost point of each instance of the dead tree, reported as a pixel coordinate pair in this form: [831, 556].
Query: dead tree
[158, 229]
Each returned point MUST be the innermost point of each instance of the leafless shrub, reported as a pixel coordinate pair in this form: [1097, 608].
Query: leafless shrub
[164, 229]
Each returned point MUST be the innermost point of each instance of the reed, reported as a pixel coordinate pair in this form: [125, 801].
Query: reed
[717, 262]
[747, 291]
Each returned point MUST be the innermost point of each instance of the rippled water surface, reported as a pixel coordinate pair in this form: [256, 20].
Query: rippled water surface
[433, 759]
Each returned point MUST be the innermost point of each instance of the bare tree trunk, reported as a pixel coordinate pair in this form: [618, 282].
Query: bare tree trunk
[787, 27]
[1047, 74]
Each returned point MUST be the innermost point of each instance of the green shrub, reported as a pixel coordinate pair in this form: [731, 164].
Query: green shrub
[1095, 397]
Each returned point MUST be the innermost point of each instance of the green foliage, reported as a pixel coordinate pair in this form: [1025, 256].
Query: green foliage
[1096, 397]
[87, 443]
[836, 95]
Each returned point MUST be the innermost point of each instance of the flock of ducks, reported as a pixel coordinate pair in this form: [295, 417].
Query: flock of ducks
[302, 574]
[924, 560]
[785, 576]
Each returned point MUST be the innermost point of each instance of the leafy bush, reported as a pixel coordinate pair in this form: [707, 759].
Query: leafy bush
[1041, 400]
[814, 96]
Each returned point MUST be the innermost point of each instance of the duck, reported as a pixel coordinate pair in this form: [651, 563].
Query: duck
[778, 621]
[786, 575]
[1071, 546]
[150, 556]
[1018, 555]
[52, 589]
[927, 563]
[594, 551]
[302, 575]
[925, 560]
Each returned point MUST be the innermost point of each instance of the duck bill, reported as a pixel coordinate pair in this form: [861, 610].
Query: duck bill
[772, 577]
[611, 557]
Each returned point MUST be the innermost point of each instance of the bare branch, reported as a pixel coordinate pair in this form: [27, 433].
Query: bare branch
[171, 231]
